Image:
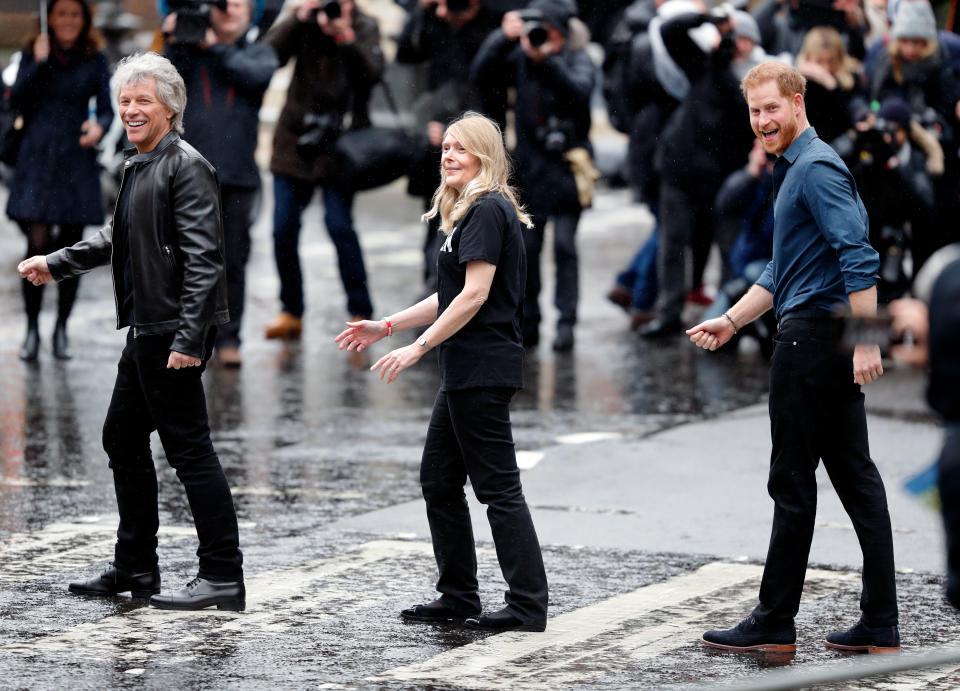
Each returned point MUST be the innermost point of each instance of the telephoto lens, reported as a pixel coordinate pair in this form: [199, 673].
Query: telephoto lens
[332, 9]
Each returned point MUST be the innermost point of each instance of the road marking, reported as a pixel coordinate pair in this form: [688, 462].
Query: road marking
[588, 437]
[142, 633]
[508, 659]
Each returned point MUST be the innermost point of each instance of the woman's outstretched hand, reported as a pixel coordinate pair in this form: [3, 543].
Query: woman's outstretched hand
[359, 335]
[394, 362]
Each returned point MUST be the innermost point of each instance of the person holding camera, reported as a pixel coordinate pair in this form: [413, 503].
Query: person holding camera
[541, 51]
[338, 60]
[165, 250]
[226, 76]
[55, 190]
[822, 261]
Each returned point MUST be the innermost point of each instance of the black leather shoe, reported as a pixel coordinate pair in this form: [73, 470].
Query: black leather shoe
[200, 593]
[31, 345]
[563, 343]
[750, 634]
[503, 620]
[866, 639]
[61, 344]
[114, 580]
[662, 328]
[435, 613]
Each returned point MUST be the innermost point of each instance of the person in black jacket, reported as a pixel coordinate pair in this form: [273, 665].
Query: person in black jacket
[703, 142]
[554, 80]
[165, 250]
[226, 77]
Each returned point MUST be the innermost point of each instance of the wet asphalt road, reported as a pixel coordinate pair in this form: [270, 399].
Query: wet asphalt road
[323, 459]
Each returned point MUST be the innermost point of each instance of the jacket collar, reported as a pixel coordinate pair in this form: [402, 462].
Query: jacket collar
[132, 156]
[798, 144]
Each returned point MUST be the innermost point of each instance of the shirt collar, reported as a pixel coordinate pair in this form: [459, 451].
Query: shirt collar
[798, 144]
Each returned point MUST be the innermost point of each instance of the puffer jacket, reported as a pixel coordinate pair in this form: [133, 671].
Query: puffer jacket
[175, 243]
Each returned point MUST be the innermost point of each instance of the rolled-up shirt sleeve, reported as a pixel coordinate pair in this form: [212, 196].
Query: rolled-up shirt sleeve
[831, 196]
[766, 278]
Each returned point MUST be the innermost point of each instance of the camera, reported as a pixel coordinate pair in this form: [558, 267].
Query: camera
[555, 136]
[877, 144]
[319, 134]
[458, 6]
[810, 13]
[193, 19]
[331, 8]
[533, 27]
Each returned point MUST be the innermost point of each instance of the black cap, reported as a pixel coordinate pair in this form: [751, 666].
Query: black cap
[556, 13]
[896, 110]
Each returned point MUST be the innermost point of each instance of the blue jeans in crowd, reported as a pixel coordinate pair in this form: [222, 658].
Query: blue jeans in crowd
[640, 277]
[291, 197]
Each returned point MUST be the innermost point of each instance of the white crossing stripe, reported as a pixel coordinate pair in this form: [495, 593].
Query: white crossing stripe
[508, 659]
[142, 633]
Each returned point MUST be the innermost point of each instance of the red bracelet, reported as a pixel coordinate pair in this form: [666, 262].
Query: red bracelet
[389, 326]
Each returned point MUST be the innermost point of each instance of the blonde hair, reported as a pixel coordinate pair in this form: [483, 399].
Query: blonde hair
[896, 62]
[827, 40]
[480, 136]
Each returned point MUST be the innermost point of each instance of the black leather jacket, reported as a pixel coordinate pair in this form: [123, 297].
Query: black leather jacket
[176, 246]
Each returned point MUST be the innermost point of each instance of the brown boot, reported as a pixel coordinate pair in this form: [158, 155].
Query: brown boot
[285, 326]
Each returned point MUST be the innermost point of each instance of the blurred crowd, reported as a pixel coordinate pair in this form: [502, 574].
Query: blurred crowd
[883, 89]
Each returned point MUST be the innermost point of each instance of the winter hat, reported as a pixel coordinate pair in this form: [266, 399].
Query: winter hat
[745, 25]
[557, 13]
[896, 110]
[914, 19]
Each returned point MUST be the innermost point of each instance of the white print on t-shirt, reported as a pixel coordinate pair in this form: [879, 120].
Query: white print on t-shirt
[448, 243]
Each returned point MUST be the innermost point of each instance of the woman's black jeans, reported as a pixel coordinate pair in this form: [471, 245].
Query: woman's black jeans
[470, 436]
[147, 396]
[817, 412]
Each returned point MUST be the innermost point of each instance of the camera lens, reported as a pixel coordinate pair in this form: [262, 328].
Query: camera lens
[458, 6]
[536, 34]
[332, 9]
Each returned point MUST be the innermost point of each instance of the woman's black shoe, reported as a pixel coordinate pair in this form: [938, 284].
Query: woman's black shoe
[61, 345]
[31, 345]
[435, 612]
[502, 621]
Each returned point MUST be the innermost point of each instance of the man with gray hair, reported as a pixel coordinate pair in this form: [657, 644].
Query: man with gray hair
[165, 249]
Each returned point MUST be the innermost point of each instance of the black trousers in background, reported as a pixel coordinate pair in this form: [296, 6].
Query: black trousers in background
[237, 203]
[817, 412]
[147, 396]
[566, 293]
[470, 436]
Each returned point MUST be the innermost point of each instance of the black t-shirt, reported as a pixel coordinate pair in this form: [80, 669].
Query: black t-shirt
[121, 247]
[488, 350]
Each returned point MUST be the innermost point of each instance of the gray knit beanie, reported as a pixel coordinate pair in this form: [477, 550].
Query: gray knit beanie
[914, 19]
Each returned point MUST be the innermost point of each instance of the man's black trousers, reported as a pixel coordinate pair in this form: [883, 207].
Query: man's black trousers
[146, 397]
[817, 412]
[470, 436]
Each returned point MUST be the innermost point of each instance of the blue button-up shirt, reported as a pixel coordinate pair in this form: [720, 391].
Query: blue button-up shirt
[821, 247]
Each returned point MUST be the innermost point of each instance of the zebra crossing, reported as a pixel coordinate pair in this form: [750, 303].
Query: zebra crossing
[348, 598]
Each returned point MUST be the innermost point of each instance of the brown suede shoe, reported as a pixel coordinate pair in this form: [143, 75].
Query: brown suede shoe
[285, 326]
[228, 356]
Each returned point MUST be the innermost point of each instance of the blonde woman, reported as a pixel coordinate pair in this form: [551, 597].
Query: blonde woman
[475, 324]
[833, 79]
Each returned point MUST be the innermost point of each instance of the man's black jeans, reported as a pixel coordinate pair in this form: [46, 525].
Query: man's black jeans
[817, 412]
[470, 436]
[147, 396]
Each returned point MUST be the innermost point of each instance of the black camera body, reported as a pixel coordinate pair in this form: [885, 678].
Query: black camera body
[534, 27]
[810, 13]
[458, 6]
[319, 132]
[877, 144]
[193, 19]
[556, 135]
[331, 8]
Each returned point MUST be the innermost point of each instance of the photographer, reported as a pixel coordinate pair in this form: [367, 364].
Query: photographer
[226, 77]
[894, 161]
[540, 50]
[446, 34]
[338, 60]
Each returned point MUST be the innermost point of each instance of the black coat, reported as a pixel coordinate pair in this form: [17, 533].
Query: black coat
[945, 343]
[55, 179]
[553, 100]
[225, 87]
